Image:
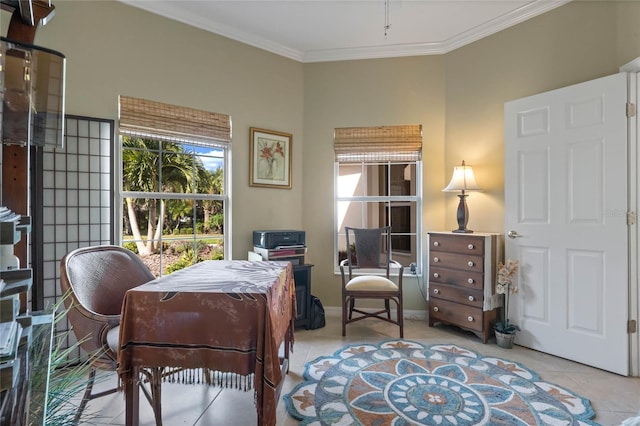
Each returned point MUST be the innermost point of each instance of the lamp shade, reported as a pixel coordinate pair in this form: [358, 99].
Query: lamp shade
[462, 180]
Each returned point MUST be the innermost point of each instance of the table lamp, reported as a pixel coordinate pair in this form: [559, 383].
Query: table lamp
[462, 180]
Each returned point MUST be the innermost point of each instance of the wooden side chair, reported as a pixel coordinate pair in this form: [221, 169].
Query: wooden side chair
[96, 279]
[373, 259]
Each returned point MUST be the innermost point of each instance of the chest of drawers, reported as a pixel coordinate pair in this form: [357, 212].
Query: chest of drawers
[462, 271]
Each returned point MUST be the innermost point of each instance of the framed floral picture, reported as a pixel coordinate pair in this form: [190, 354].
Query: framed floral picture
[270, 159]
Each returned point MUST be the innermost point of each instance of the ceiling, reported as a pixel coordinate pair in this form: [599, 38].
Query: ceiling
[331, 30]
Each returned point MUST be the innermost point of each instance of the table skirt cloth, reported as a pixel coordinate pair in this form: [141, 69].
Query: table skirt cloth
[222, 321]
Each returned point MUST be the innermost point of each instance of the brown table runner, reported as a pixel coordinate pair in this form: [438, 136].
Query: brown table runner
[222, 317]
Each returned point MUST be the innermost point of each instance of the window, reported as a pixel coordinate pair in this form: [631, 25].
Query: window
[378, 176]
[174, 183]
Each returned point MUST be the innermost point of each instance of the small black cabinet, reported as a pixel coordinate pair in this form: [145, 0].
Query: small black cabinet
[302, 278]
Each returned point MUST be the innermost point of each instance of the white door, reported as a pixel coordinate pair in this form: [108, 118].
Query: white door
[565, 206]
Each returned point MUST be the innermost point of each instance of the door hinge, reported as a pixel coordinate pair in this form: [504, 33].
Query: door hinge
[631, 218]
[632, 326]
[631, 109]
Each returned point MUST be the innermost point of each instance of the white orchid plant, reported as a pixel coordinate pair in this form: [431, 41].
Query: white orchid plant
[505, 285]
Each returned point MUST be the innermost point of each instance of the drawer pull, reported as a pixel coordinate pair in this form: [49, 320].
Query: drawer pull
[436, 244]
[435, 309]
[470, 247]
[436, 260]
[436, 291]
[470, 281]
[471, 298]
[470, 318]
[470, 264]
[436, 275]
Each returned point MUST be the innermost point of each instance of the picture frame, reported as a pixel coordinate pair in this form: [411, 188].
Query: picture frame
[270, 160]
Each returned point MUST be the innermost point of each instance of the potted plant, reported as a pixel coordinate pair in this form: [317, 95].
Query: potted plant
[65, 378]
[506, 331]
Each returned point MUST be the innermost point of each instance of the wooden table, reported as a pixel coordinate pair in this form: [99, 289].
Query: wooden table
[224, 319]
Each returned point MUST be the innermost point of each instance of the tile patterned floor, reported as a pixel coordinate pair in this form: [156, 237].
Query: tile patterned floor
[614, 398]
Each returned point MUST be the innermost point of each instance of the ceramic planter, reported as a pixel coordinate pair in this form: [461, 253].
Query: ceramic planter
[505, 340]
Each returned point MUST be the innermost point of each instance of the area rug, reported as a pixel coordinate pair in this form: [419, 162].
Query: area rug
[401, 383]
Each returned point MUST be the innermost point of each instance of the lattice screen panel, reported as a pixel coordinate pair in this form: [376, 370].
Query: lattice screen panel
[77, 198]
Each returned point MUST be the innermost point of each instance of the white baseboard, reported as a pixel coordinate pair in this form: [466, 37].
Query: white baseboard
[413, 315]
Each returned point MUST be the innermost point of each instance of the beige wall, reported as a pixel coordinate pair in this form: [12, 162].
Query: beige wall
[628, 36]
[458, 98]
[367, 93]
[571, 44]
[114, 49]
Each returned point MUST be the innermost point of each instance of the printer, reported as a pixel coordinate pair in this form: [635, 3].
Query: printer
[278, 238]
[284, 245]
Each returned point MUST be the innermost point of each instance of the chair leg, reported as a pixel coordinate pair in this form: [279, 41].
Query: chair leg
[344, 317]
[401, 319]
[387, 307]
[86, 397]
[156, 395]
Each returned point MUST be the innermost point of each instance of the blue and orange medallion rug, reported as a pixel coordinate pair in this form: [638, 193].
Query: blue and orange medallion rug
[401, 383]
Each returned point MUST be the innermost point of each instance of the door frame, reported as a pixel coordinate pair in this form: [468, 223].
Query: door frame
[633, 75]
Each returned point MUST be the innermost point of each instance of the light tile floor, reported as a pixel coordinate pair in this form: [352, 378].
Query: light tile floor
[614, 398]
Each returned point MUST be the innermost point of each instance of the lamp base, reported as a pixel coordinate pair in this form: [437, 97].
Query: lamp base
[463, 231]
[462, 216]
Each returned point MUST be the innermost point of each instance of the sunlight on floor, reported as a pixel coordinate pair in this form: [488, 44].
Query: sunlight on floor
[614, 398]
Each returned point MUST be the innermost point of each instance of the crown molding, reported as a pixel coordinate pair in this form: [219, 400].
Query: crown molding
[493, 26]
[523, 13]
[167, 10]
[633, 66]
[503, 22]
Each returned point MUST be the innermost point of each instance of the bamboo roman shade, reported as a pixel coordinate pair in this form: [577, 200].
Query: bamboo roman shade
[144, 118]
[384, 143]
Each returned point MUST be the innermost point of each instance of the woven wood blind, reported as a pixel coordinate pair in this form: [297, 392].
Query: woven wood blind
[385, 143]
[144, 118]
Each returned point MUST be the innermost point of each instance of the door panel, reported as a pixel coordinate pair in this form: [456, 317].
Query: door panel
[585, 291]
[585, 182]
[536, 310]
[534, 207]
[566, 196]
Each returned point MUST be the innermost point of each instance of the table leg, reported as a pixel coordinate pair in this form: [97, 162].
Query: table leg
[284, 365]
[132, 397]
[287, 343]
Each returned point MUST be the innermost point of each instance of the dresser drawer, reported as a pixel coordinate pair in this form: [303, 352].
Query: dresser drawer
[466, 244]
[462, 262]
[456, 294]
[469, 279]
[455, 313]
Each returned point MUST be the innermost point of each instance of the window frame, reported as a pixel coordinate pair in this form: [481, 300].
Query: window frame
[387, 199]
[225, 197]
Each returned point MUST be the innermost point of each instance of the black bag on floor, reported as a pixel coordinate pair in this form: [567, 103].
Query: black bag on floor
[317, 313]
